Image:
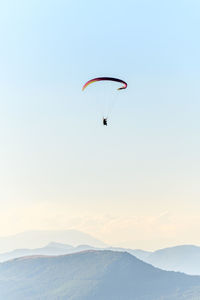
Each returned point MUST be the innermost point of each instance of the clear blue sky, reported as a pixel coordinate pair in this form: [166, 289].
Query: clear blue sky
[135, 183]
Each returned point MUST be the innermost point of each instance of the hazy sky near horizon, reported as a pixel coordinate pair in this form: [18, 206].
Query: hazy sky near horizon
[136, 182]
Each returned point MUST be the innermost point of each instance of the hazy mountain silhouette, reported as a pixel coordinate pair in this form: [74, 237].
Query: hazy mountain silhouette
[184, 258]
[37, 239]
[54, 249]
[93, 275]
[141, 254]
[51, 249]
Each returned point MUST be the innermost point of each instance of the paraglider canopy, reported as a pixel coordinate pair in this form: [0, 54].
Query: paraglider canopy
[103, 79]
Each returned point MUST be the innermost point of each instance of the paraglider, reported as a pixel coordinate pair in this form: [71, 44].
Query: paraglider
[124, 86]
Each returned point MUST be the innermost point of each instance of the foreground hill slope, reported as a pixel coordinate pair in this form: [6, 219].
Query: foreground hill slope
[89, 275]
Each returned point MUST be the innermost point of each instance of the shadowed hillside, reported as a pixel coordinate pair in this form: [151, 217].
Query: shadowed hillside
[89, 275]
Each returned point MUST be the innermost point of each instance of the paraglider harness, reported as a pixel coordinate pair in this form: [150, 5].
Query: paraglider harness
[105, 121]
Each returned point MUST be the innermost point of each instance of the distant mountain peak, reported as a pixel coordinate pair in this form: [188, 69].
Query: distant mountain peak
[58, 245]
[40, 238]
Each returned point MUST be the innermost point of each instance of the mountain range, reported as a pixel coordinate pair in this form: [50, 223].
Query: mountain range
[93, 275]
[185, 258]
